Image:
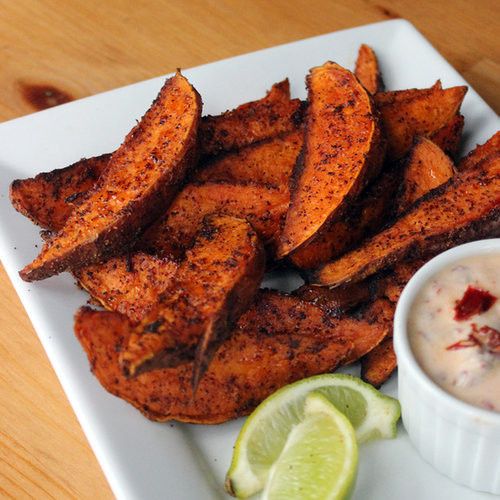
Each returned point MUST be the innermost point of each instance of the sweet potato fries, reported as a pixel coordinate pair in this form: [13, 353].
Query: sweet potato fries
[172, 233]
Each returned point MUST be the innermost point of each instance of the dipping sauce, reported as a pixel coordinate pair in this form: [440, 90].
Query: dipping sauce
[454, 330]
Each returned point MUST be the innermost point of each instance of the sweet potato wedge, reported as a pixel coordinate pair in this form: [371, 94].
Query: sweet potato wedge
[368, 309]
[449, 135]
[263, 206]
[365, 215]
[367, 70]
[295, 314]
[343, 150]
[335, 301]
[130, 285]
[413, 112]
[426, 168]
[141, 179]
[255, 361]
[481, 152]
[266, 162]
[464, 208]
[401, 273]
[277, 341]
[399, 96]
[213, 286]
[48, 198]
[254, 121]
[379, 364]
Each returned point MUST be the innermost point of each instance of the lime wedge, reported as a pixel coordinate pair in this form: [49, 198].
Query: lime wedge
[320, 456]
[266, 430]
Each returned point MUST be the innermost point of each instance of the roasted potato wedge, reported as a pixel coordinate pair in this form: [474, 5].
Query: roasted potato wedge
[335, 301]
[263, 206]
[213, 286]
[141, 179]
[254, 121]
[464, 208]
[426, 168]
[413, 112]
[266, 162]
[295, 314]
[365, 216]
[130, 284]
[48, 199]
[449, 135]
[399, 96]
[490, 148]
[379, 364]
[343, 149]
[367, 70]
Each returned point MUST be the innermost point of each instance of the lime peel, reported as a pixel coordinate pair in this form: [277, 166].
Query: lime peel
[264, 434]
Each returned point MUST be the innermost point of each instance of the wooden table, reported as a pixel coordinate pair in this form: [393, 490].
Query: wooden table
[52, 51]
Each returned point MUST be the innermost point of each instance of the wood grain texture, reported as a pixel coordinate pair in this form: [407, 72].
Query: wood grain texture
[52, 51]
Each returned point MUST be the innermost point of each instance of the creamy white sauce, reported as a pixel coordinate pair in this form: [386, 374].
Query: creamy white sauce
[472, 374]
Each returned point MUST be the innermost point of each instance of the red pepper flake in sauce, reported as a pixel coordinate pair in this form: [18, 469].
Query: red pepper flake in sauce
[474, 301]
[470, 341]
[486, 337]
[489, 338]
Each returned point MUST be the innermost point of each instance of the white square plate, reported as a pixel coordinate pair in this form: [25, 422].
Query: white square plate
[142, 459]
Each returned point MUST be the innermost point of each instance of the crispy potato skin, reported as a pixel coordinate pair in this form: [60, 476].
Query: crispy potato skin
[364, 217]
[490, 148]
[263, 206]
[406, 114]
[367, 70]
[141, 179]
[267, 162]
[213, 286]
[343, 149]
[426, 168]
[254, 121]
[130, 284]
[279, 340]
[48, 199]
[464, 208]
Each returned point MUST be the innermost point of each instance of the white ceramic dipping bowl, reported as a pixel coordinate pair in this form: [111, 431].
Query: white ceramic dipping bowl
[458, 439]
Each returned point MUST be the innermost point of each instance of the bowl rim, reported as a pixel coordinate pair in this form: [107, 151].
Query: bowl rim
[404, 353]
